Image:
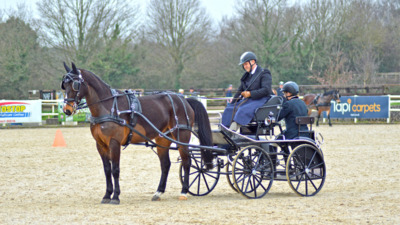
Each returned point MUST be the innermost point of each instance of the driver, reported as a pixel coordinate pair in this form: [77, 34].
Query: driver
[254, 90]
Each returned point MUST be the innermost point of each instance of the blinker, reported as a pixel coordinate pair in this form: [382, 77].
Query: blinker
[76, 85]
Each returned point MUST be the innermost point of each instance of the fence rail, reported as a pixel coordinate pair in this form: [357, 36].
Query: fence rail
[215, 106]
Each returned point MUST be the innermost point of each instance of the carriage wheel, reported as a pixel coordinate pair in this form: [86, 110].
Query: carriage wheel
[201, 180]
[253, 172]
[305, 170]
[229, 176]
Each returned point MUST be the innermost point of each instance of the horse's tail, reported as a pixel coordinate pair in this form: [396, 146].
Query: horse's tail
[204, 129]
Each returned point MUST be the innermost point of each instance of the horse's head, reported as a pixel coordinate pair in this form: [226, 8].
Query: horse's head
[336, 96]
[74, 91]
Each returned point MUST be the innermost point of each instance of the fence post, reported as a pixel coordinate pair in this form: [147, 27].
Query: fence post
[388, 119]
[204, 101]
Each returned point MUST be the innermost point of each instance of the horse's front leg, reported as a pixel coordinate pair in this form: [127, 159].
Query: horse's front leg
[107, 172]
[319, 115]
[115, 148]
[329, 119]
[165, 162]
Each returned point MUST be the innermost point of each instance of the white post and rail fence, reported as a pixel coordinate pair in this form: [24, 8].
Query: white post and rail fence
[40, 112]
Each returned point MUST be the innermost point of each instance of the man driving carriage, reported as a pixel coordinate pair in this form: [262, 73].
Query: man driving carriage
[254, 90]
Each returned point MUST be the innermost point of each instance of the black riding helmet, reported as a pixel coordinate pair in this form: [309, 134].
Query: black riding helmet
[291, 87]
[247, 56]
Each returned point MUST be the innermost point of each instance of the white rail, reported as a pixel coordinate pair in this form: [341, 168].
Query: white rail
[216, 113]
[393, 99]
[54, 107]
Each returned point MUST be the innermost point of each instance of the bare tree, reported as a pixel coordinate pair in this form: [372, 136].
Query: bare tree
[337, 71]
[180, 28]
[267, 27]
[80, 27]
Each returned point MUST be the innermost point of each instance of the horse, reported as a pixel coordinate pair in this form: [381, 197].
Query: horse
[114, 123]
[321, 102]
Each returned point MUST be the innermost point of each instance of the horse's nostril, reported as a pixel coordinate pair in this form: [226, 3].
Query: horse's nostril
[67, 112]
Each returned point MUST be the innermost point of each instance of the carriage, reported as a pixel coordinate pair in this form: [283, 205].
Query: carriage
[251, 158]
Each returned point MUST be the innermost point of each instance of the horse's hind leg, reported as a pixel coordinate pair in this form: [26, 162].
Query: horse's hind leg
[186, 163]
[319, 115]
[165, 162]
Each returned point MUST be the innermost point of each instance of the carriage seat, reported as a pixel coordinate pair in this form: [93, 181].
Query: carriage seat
[270, 109]
[306, 120]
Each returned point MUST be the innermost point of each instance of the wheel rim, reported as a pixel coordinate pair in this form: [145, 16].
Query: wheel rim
[253, 172]
[201, 180]
[305, 170]
[229, 177]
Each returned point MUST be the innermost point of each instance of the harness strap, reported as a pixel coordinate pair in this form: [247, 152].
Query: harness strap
[184, 107]
[136, 109]
[177, 125]
[109, 118]
[114, 93]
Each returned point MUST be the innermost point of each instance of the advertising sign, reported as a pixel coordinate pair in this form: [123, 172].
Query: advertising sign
[24, 111]
[368, 107]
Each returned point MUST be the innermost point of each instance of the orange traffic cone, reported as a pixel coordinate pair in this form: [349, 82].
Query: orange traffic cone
[59, 140]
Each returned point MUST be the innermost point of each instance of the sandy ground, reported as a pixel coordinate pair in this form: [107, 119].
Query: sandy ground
[41, 184]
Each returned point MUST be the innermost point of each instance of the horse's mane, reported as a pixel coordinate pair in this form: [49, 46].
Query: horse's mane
[329, 92]
[97, 78]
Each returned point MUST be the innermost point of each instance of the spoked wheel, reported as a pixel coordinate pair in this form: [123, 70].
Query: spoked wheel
[229, 177]
[305, 170]
[253, 172]
[201, 180]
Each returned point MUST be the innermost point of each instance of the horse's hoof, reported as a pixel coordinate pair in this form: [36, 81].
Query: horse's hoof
[156, 198]
[114, 202]
[183, 197]
[105, 201]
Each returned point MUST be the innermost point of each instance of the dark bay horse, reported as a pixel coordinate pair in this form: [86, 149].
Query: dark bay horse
[111, 113]
[321, 102]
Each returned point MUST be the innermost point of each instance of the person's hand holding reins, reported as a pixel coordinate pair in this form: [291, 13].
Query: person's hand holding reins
[246, 94]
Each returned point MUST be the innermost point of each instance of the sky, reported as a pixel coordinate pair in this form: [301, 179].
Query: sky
[216, 8]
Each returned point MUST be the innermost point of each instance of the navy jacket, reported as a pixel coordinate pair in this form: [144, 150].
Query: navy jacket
[259, 84]
[290, 110]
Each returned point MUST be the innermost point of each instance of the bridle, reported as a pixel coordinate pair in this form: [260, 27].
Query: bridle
[337, 96]
[76, 80]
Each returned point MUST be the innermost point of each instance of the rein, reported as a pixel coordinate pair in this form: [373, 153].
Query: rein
[116, 119]
[85, 105]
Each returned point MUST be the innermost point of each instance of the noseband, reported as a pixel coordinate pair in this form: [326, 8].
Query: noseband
[76, 80]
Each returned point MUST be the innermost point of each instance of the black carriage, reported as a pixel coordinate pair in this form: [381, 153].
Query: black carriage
[252, 158]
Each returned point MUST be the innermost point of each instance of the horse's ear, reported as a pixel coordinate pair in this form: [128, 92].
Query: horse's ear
[67, 68]
[74, 69]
